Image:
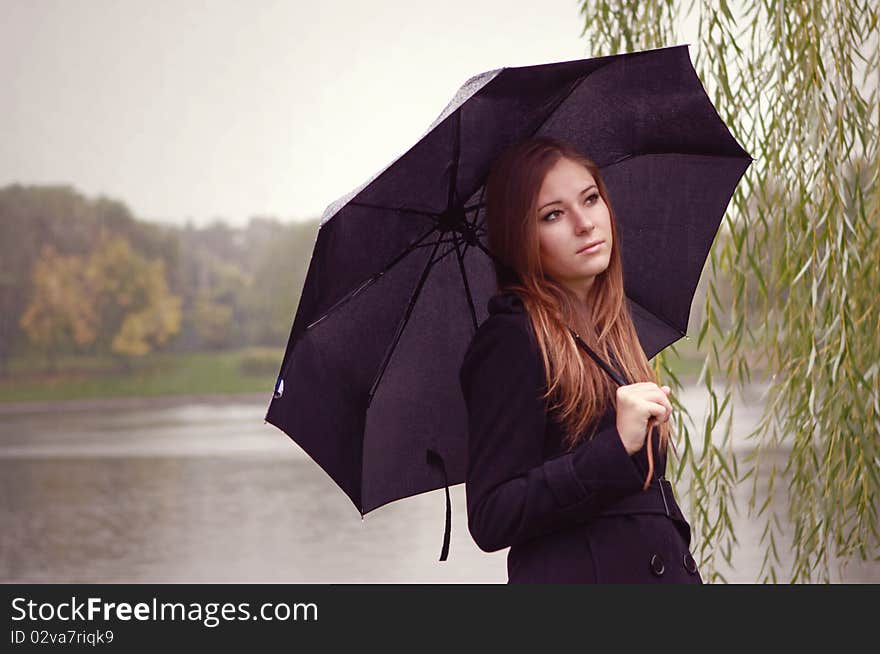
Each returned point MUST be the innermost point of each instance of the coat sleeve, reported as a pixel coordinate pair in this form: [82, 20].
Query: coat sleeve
[512, 493]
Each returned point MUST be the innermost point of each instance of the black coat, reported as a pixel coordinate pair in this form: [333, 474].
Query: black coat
[568, 517]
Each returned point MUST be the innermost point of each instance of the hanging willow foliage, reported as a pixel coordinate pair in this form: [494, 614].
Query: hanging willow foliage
[794, 273]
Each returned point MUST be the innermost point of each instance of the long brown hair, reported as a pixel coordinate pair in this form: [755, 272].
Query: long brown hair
[578, 390]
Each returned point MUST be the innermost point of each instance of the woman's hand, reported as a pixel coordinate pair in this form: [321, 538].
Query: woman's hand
[636, 403]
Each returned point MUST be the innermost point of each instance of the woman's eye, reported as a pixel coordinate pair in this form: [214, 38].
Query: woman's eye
[591, 199]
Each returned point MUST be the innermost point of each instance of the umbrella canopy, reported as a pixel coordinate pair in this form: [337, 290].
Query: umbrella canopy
[401, 274]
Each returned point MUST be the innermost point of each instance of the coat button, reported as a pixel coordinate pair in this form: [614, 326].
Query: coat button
[689, 564]
[657, 566]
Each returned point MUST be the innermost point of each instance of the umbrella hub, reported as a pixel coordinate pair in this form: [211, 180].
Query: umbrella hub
[455, 220]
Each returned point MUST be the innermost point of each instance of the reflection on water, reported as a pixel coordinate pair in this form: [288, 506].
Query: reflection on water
[209, 493]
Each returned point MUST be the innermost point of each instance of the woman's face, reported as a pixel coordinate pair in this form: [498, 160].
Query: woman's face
[572, 214]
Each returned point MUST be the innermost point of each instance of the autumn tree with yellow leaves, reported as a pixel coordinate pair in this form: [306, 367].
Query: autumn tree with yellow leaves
[115, 301]
[59, 317]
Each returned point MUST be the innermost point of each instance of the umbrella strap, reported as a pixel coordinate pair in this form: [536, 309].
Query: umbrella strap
[618, 378]
[435, 459]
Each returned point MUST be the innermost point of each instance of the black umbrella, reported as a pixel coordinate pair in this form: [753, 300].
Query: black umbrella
[400, 275]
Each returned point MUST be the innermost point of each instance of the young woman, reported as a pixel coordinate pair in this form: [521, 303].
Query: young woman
[557, 456]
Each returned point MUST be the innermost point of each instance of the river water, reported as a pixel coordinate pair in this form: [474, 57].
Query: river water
[207, 492]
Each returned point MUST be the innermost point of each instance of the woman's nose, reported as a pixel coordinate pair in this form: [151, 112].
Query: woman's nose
[582, 221]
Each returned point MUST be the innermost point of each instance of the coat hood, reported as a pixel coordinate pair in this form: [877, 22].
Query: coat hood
[506, 302]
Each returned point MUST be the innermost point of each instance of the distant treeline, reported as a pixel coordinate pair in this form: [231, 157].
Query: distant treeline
[80, 275]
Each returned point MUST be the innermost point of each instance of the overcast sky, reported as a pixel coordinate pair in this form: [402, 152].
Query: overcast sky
[190, 109]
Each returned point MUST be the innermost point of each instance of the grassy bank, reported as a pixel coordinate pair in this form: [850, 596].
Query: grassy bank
[249, 370]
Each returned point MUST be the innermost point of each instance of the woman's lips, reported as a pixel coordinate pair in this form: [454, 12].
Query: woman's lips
[593, 249]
